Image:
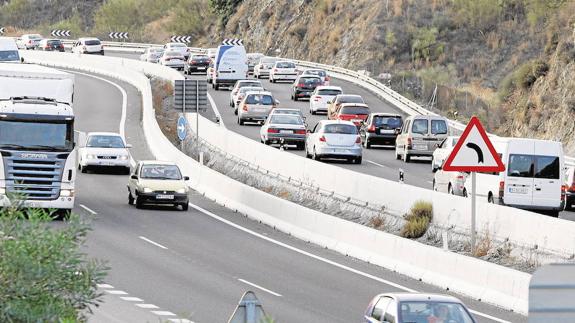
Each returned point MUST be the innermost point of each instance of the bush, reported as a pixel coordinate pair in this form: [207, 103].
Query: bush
[417, 220]
[44, 276]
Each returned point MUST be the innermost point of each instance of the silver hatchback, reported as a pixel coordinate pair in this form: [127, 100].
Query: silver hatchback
[256, 106]
[420, 136]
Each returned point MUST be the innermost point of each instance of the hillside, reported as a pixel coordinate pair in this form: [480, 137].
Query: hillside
[510, 62]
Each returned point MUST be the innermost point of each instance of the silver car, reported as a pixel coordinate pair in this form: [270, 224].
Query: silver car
[173, 59]
[256, 106]
[450, 182]
[334, 139]
[152, 54]
[420, 136]
[287, 129]
[240, 84]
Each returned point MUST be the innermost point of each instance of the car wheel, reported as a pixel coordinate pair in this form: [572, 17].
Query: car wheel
[130, 198]
[240, 121]
[358, 160]
[433, 168]
[315, 156]
[464, 192]
[490, 199]
[185, 206]
[139, 202]
[366, 144]
[311, 111]
[450, 190]
[300, 146]
[236, 111]
[83, 169]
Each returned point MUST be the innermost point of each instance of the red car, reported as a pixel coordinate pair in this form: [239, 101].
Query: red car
[354, 112]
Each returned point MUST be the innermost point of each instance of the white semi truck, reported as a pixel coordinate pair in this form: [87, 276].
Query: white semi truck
[38, 157]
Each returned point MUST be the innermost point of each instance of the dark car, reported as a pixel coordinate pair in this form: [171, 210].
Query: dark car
[51, 45]
[304, 86]
[380, 129]
[197, 63]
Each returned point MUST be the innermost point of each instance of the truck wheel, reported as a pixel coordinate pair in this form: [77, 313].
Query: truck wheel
[83, 169]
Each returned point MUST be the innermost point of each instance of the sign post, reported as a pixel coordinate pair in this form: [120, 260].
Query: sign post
[473, 153]
[191, 95]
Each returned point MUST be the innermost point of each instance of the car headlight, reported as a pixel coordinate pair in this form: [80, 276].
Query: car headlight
[147, 190]
[90, 156]
[66, 193]
[124, 157]
[182, 191]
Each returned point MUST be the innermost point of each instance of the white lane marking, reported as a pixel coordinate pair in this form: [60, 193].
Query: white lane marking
[88, 209]
[215, 108]
[376, 164]
[163, 313]
[116, 292]
[104, 286]
[259, 287]
[122, 129]
[324, 260]
[180, 321]
[430, 182]
[152, 242]
[148, 306]
[131, 299]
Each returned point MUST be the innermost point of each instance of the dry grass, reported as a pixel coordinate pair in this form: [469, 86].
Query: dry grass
[377, 222]
[417, 220]
[483, 245]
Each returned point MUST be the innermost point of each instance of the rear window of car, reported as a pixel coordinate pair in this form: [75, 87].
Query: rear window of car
[321, 73]
[387, 122]
[286, 119]
[245, 89]
[250, 84]
[350, 99]
[156, 50]
[520, 166]
[54, 42]
[35, 37]
[329, 92]
[309, 80]
[354, 110]
[260, 99]
[420, 126]
[200, 57]
[173, 54]
[438, 127]
[285, 65]
[92, 42]
[267, 60]
[178, 45]
[340, 129]
[294, 112]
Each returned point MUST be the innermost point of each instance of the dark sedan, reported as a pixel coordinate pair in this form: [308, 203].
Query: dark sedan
[197, 63]
[380, 129]
[304, 86]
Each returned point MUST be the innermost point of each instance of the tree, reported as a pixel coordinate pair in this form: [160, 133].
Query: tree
[224, 8]
[44, 277]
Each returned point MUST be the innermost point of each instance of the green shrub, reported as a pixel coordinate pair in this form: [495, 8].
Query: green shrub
[417, 220]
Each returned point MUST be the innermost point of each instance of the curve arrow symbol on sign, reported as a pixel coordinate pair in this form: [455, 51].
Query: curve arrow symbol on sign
[477, 150]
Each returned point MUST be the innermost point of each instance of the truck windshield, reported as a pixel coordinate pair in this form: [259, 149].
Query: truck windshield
[35, 135]
[9, 56]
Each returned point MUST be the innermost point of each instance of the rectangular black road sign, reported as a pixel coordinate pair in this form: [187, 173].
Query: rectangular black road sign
[190, 95]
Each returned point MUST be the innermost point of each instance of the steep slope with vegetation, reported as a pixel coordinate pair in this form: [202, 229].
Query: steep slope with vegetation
[507, 61]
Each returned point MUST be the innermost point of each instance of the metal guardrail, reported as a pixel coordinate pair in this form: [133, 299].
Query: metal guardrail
[405, 104]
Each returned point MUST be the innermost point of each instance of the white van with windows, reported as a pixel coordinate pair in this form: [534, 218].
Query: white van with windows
[533, 176]
[230, 66]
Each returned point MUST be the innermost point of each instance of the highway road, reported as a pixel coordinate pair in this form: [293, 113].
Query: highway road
[197, 264]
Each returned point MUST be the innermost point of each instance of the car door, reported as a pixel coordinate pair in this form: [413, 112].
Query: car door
[378, 312]
[518, 186]
[547, 179]
[312, 137]
[134, 178]
[364, 126]
[402, 138]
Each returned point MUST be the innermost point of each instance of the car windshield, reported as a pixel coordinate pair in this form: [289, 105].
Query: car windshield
[262, 99]
[99, 141]
[286, 119]
[438, 127]
[92, 42]
[386, 122]
[9, 56]
[433, 312]
[329, 92]
[354, 110]
[340, 129]
[321, 73]
[156, 50]
[350, 99]
[285, 65]
[309, 80]
[169, 172]
[250, 89]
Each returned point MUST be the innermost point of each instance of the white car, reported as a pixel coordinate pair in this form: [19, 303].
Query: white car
[450, 182]
[442, 152]
[178, 47]
[256, 107]
[283, 71]
[321, 96]
[264, 66]
[29, 41]
[173, 59]
[239, 84]
[152, 54]
[88, 46]
[334, 139]
[242, 93]
[317, 72]
[286, 129]
[103, 149]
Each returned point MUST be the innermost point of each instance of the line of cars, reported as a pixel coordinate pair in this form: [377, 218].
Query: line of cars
[84, 45]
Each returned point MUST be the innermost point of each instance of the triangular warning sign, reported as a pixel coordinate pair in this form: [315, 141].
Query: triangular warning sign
[474, 152]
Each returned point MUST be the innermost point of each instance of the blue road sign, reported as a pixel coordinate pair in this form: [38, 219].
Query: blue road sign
[182, 129]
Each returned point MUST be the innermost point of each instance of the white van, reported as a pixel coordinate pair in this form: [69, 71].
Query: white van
[9, 50]
[231, 65]
[533, 176]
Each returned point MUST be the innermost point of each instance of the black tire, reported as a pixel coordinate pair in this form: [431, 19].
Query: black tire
[300, 146]
[490, 199]
[406, 157]
[434, 186]
[358, 160]
[130, 199]
[315, 156]
[240, 121]
[465, 193]
[139, 202]
[397, 156]
[312, 112]
[216, 86]
[553, 213]
[83, 169]
[185, 206]
[366, 144]
[236, 111]
[450, 190]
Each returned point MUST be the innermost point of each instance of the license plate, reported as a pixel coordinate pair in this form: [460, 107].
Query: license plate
[420, 147]
[518, 190]
[384, 132]
[356, 120]
[286, 131]
[164, 197]
[201, 68]
[260, 110]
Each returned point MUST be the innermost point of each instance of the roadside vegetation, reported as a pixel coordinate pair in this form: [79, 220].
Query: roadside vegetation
[417, 221]
[44, 275]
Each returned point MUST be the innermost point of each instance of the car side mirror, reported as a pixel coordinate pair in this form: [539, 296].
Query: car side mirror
[22, 59]
[129, 146]
[134, 177]
[186, 178]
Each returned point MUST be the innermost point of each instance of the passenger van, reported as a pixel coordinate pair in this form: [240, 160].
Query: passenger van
[420, 136]
[231, 65]
[533, 178]
[9, 50]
